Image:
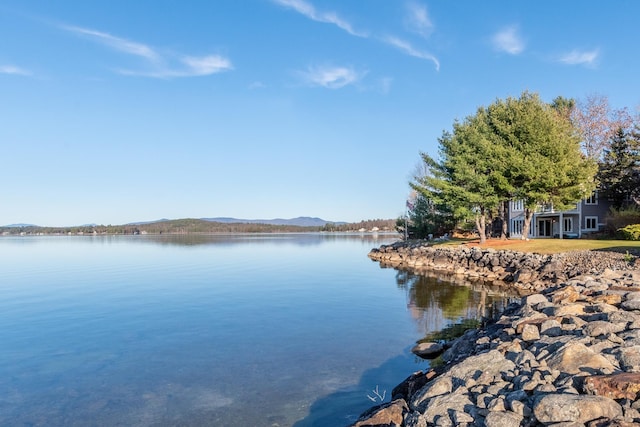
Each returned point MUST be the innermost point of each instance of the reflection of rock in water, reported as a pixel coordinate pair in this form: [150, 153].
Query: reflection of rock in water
[435, 303]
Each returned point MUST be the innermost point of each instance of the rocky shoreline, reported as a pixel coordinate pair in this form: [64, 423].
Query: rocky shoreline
[568, 354]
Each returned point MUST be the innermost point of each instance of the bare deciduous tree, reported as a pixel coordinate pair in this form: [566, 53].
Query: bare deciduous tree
[598, 123]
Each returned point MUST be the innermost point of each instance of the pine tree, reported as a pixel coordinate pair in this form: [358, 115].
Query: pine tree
[619, 171]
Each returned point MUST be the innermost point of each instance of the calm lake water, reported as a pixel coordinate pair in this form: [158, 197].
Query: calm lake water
[242, 330]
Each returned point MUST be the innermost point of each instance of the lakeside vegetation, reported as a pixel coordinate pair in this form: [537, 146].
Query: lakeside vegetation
[189, 225]
[541, 154]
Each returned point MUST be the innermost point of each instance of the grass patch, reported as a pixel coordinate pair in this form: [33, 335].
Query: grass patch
[551, 246]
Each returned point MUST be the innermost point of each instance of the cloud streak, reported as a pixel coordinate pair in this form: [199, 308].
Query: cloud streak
[508, 40]
[14, 70]
[159, 65]
[576, 57]
[331, 77]
[117, 43]
[307, 9]
[408, 49]
[417, 21]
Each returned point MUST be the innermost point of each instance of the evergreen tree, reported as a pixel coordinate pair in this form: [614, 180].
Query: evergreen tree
[429, 218]
[466, 178]
[619, 172]
[540, 151]
[514, 149]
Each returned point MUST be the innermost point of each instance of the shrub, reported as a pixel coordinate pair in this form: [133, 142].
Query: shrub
[630, 232]
[620, 218]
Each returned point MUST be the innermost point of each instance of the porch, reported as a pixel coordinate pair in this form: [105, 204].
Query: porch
[556, 225]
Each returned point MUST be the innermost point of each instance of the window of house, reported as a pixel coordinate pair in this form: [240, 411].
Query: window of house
[516, 227]
[517, 205]
[591, 222]
[592, 200]
[568, 224]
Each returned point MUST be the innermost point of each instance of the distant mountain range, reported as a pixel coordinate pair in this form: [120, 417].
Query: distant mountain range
[302, 221]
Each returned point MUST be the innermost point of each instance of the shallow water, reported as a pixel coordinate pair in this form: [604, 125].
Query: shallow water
[240, 330]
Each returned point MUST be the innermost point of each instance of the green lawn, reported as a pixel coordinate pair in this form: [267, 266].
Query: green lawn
[550, 246]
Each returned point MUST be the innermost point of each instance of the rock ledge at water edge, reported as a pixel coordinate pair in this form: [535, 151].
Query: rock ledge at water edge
[566, 355]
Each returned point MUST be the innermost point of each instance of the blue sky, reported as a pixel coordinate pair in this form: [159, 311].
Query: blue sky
[116, 111]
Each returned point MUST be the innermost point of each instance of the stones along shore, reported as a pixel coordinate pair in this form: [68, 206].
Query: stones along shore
[568, 354]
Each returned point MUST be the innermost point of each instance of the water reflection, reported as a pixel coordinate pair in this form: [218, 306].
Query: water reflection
[219, 239]
[300, 239]
[435, 302]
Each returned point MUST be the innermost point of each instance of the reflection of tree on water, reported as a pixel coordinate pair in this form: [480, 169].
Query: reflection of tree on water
[435, 303]
[219, 239]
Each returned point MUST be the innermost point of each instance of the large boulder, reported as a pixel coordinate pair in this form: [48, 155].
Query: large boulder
[427, 350]
[558, 408]
[387, 414]
[575, 357]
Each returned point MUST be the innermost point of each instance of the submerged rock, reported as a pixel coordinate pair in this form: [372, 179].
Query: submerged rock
[427, 350]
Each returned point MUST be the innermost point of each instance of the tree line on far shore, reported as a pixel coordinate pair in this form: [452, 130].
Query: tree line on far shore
[525, 149]
[183, 226]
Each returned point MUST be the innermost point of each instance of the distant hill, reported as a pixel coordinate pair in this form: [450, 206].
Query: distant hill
[208, 225]
[147, 222]
[301, 221]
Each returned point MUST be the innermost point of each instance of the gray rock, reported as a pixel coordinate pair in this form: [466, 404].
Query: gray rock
[520, 408]
[575, 357]
[459, 418]
[534, 299]
[483, 400]
[439, 386]
[497, 404]
[440, 406]
[491, 362]
[551, 327]
[427, 350]
[633, 304]
[629, 358]
[530, 333]
[503, 419]
[632, 296]
[601, 327]
[461, 347]
[526, 357]
[390, 413]
[556, 408]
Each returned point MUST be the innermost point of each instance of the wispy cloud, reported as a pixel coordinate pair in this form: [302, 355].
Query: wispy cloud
[159, 65]
[307, 9]
[205, 65]
[418, 20]
[331, 77]
[576, 57]
[407, 48]
[508, 40]
[117, 43]
[12, 69]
